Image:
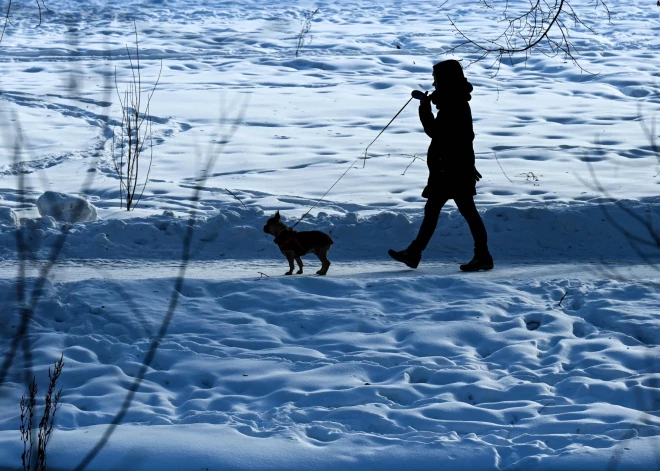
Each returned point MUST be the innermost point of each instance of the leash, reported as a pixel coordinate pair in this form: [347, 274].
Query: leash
[353, 163]
[388, 124]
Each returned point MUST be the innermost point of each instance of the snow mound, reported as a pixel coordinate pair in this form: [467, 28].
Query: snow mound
[66, 208]
[8, 217]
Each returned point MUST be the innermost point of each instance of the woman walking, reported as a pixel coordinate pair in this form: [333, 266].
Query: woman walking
[450, 159]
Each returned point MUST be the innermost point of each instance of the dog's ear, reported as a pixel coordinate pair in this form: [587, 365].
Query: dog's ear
[277, 214]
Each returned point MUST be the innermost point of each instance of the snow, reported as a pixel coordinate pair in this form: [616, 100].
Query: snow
[8, 218]
[66, 208]
[181, 307]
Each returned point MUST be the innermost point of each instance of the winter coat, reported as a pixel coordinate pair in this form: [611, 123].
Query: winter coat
[450, 156]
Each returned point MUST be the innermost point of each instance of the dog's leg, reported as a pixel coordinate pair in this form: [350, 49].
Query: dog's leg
[325, 263]
[300, 266]
[289, 256]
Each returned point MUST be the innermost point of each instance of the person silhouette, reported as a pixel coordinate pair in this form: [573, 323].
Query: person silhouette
[450, 160]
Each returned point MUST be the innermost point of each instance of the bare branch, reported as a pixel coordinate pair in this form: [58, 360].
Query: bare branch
[541, 27]
[6, 21]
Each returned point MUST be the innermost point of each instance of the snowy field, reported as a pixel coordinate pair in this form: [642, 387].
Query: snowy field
[186, 348]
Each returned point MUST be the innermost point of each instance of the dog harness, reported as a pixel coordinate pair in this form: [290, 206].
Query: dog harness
[287, 240]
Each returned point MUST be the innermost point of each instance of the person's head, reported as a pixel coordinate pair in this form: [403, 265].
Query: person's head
[450, 83]
[447, 73]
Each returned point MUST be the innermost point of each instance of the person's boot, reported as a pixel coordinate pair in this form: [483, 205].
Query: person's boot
[410, 256]
[480, 261]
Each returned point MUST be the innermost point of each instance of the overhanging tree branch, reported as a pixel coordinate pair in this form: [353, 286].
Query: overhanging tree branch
[542, 26]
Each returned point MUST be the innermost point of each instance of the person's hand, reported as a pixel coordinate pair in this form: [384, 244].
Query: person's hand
[419, 95]
[477, 175]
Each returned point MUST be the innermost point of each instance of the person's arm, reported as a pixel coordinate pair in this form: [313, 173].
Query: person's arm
[427, 118]
[425, 112]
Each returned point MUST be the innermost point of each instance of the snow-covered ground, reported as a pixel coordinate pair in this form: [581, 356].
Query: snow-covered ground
[186, 348]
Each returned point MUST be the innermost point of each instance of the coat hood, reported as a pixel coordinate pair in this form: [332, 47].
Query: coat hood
[450, 82]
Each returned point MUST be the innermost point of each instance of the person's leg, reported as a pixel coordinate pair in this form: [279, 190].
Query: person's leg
[431, 215]
[468, 210]
[413, 254]
[482, 259]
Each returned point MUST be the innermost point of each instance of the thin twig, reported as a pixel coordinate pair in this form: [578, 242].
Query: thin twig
[411, 162]
[530, 176]
[39, 7]
[633, 240]
[545, 405]
[562, 298]
[650, 135]
[147, 112]
[6, 21]
[229, 191]
[498, 163]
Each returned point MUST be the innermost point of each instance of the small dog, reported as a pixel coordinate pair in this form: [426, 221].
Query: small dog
[294, 244]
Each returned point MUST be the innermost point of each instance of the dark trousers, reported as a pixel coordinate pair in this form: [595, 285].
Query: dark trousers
[468, 210]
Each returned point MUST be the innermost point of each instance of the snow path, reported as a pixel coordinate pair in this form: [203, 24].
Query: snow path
[226, 270]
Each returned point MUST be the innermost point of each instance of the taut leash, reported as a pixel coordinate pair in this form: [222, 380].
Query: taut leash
[353, 163]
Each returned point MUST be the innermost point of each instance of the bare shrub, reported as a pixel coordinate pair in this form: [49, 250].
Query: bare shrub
[27, 405]
[27, 415]
[134, 131]
[306, 26]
